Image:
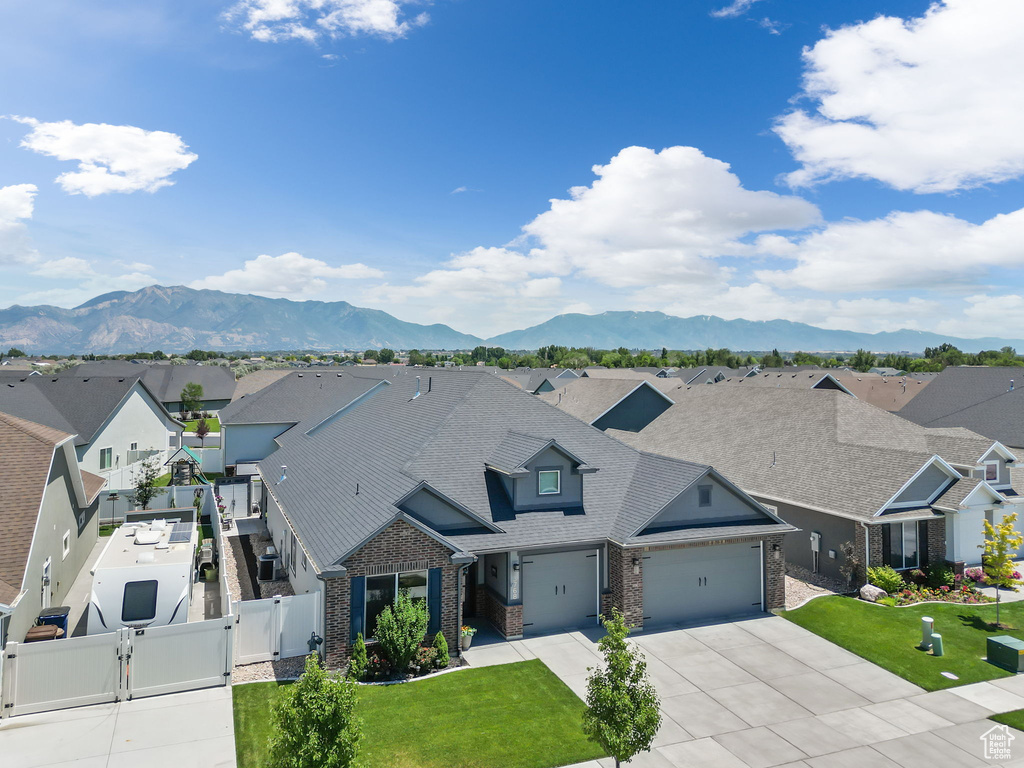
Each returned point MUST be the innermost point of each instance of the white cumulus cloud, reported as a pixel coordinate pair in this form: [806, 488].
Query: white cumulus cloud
[289, 275]
[69, 267]
[272, 21]
[17, 203]
[929, 104]
[653, 217]
[901, 251]
[111, 158]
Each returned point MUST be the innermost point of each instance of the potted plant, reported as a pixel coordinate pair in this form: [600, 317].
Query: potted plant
[467, 637]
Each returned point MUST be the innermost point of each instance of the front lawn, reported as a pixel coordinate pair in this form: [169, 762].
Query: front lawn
[511, 715]
[1013, 719]
[889, 636]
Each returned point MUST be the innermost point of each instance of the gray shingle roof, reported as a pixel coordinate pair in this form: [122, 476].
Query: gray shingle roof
[589, 398]
[392, 442]
[823, 450]
[165, 381]
[299, 397]
[71, 404]
[979, 399]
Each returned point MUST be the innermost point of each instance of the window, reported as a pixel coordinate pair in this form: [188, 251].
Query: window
[903, 545]
[703, 495]
[549, 482]
[139, 601]
[134, 447]
[65, 545]
[381, 591]
[304, 561]
[991, 471]
[106, 458]
[292, 559]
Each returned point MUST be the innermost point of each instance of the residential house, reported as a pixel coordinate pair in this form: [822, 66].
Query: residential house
[482, 499]
[166, 381]
[840, 470]
[989, 401]
[48, 521]
[251, 425]
[885, 392]
[537, 380]
[627, 403]
[787, 380]
[116, 420]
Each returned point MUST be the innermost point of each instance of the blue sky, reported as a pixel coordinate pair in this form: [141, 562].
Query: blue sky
[851, 165]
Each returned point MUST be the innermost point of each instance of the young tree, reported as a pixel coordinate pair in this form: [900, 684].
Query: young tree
[400, 629]
[359, 662]
[202, 430]
[1001, 544]
[385, 355]
[622, 712]
[314, 720]
[192, 396]
[145, 483]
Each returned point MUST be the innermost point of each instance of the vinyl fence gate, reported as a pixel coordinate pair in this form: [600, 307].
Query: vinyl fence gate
[276, 627]
[116, 666]
[235, 496]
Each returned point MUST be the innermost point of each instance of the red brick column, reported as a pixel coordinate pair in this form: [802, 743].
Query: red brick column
[627, 588]
[774, 572]
[507, 619]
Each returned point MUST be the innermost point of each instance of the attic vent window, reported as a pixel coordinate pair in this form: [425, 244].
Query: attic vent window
[704, 496]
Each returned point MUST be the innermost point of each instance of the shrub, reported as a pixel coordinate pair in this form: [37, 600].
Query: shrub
[359, 661]
[314, 721]
[940, 576]
[400, 629]
[426, 658]
[890, 601]
[885, 577]
[441, 659]
[918, 576]
[975, 574]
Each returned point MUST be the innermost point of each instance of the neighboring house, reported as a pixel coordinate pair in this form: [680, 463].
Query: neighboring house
[885, 392]
[116, 420]
[48, 521]
[257, 380]
[251, 425]
[989, 401]
[841, 470]
[484, 500]
[788, 380]
[166, 381]
[626, 404]
[537, 380]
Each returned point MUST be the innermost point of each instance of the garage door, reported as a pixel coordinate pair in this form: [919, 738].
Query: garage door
[559, 591]
[701, 583]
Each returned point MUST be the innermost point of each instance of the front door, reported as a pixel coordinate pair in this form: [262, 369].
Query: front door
[559, 591]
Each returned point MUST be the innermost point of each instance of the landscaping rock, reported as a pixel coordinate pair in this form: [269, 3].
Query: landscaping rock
[871, 593]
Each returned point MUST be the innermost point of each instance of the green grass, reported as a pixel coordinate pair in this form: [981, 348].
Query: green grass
[108, 530]
[163, 481]
[511, 715]
[1013, 719]
[889, 636]
[213, 423]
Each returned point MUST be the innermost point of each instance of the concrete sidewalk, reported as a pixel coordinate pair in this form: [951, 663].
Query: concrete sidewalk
[179, 730]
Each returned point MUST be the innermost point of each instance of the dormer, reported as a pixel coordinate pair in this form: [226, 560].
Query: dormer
[537, 473]
[994, 467]
[441, 513]
[924, 487]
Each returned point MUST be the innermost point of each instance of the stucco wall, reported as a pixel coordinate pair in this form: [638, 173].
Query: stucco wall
[725, 506]
[138, 420]
[243, 442]
[834, 532]
[58, 514]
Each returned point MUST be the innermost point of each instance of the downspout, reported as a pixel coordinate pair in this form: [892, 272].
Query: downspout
[867, 549]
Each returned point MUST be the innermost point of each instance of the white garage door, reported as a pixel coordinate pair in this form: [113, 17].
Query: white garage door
[700, 583]
[559, 591]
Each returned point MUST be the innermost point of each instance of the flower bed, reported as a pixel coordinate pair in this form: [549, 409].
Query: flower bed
[936, 584]
[914, 593]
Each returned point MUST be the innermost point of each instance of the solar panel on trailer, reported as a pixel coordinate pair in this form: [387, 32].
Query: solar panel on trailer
[180, 533]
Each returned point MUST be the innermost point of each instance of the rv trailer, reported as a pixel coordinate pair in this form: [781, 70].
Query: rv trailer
[144, 576]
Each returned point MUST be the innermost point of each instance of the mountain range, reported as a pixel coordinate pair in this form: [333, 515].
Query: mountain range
[177, 319]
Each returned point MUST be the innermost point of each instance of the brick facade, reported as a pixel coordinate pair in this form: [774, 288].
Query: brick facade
[935, 540]
[401, 543]
[774, 572]
[507, 619]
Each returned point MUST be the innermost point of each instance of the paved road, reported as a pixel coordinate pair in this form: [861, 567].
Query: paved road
[765, 692]
[180, 730]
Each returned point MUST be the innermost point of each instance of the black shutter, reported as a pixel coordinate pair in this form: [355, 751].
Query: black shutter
[886, 545]
[434, 600]
[922, 542]
[357, 603]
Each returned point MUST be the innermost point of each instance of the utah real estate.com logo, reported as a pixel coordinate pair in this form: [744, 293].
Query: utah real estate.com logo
[997, 742]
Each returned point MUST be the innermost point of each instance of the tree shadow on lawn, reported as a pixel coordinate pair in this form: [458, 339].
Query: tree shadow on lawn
[976, 622]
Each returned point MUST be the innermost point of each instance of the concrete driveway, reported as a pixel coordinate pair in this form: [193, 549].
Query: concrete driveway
[193, 729]
[764, 692]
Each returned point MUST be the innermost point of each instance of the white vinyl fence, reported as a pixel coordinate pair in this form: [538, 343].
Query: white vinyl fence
[173, 496]
[115, 666]
[125, 477]
[275, 628]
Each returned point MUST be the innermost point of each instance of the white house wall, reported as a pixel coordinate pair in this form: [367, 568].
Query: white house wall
[965, 531]
[304, 580]
[138, 420]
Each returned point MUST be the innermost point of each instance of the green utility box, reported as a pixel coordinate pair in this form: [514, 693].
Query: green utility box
[1006, 652]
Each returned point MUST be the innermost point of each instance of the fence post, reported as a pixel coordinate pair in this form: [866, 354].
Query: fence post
[124, 653]
[8, 677]
[229, 650]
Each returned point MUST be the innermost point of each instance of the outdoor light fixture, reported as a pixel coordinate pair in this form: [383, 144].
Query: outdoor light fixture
[515, 566]
[636, 565]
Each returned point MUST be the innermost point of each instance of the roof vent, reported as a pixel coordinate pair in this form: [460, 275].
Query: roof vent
[417, 388]
[300, 375]
[318, 375]
[1011, 385]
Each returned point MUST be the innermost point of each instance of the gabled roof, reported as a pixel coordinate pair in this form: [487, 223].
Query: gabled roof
[80, 406]
[959, 493]
[789, 380]
[820, 450]
[516, 450]
[165, 381]
[978, 398]
[300, 397]
[531, 379]
[26, 454]
[885, 392]
[393, 443]
[588, 399]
